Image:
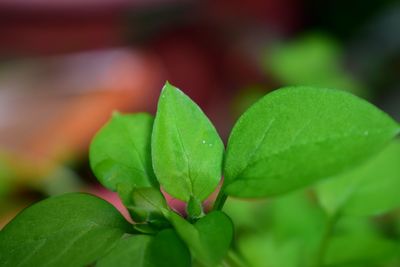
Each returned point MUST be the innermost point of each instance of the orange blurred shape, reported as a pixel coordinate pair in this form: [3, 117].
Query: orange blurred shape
[52, 107]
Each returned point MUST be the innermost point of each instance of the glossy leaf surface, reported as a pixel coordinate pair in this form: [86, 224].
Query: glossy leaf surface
[186, 149]
[295, 136]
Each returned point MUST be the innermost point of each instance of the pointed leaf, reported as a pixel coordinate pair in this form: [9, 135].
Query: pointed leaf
[186, 149]
[148, 205]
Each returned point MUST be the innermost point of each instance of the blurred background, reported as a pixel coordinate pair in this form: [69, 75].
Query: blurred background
[66, 65]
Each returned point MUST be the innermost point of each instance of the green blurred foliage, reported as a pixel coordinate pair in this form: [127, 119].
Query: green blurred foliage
[285, 231]
[313, 60]
[369, 189]
[289, 231]
[357, 241]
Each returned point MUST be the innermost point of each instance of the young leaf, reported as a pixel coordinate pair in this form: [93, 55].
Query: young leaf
[369, 189]
[148, 205]
[68, 230]
[208, 239]
[162, 250]
[295, 136]
[120, 153]
[194, 208]
[120, 158]
[186, 149]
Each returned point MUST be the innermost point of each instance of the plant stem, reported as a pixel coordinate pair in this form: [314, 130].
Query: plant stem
[220, 201]
[320, 255]
[233, 260]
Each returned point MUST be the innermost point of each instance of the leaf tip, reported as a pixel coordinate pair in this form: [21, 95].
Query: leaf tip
[169, 88]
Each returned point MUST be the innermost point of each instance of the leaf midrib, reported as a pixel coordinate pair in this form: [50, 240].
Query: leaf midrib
[290, 147]
[82, 231]
[188, 178]
[141, 159]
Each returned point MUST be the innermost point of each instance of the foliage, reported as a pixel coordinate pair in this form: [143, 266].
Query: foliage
[286, 142]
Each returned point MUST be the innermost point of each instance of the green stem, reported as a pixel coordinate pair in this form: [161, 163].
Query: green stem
[233, 260]
[220, 201]
[330, 226]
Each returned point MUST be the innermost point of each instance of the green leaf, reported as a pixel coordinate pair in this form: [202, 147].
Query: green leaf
[295, 136]
[186, 149]
[194, 209]
[120, 153]
[121, 160]
[148, 205]
[369, 189]
[167, 249]
[162, 250]
[67, 230]
[209, 238]
[129, 251]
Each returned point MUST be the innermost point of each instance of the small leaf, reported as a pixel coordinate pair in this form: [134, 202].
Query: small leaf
[298, 135]
[120, 158]
[369, 189]
[162, 250]
[216, 233]
[209, 238]
[194, 208]
[67, 230]
[148, 205]
[186, 149]
[120, 153]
